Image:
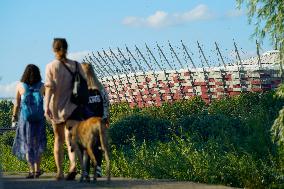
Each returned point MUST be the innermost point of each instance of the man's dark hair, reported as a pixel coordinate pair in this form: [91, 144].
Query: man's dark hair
[31, 75]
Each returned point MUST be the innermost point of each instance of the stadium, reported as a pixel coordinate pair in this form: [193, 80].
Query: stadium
[156, 76]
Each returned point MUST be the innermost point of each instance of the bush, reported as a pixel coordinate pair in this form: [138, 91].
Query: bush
[7, 138]
[178, 159]
[119, 111]
[176, 110]
[141, 128]
[48, 163]
[226, 142]
[201, 128]
[256, 112]
[247, 104]
[5, 113]
[9, 162]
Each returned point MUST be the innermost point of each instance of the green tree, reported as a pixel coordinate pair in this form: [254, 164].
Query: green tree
[268, 18]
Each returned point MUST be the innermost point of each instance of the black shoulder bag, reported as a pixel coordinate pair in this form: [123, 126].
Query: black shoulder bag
[80, 92]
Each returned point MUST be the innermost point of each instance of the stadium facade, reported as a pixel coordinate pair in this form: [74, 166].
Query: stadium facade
[146, 88]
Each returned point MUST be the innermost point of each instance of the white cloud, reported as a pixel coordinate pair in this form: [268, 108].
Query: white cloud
[159, 19]
[132, 21]
[200, 12]
[163, 19]
[8, 90]
[78, 56]
[234, 13]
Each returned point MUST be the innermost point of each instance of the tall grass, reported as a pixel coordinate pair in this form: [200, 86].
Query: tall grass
[226, 142]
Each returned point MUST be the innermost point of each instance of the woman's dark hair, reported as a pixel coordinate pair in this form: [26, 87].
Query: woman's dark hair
[60, 46]
[31, 75]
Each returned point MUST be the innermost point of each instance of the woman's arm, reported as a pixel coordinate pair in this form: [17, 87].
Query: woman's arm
[17, 104]
[105, 104]
[48, 90]
[47, 97]
[42, 90]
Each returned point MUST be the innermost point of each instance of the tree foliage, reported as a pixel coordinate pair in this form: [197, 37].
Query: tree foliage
[5, 113]
[268, 18]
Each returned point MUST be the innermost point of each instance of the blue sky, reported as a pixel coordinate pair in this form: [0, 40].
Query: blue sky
[28, 28]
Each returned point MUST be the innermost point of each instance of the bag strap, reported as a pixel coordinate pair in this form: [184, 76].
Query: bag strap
[76, 70]
[76, 67]
[26, 87]
[35, 87]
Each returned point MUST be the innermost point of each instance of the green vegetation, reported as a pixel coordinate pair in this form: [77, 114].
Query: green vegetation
[227, 142]
[268, 18]
[5, 113]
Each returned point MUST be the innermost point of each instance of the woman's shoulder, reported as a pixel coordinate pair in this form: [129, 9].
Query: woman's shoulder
[53, 64]
[71, 62]
[55, 61]
[20, 87]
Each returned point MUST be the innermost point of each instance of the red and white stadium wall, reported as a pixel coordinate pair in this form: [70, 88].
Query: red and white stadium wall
[154, 88]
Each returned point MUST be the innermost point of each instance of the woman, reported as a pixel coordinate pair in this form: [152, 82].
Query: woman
[30, 139]
[58, 107]
[98, 106]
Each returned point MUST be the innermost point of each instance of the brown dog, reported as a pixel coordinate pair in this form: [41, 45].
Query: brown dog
[84, 136]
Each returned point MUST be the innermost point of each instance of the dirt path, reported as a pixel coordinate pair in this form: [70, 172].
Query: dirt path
[47, 181]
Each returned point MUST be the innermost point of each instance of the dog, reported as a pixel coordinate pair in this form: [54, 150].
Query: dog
[84, 136]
